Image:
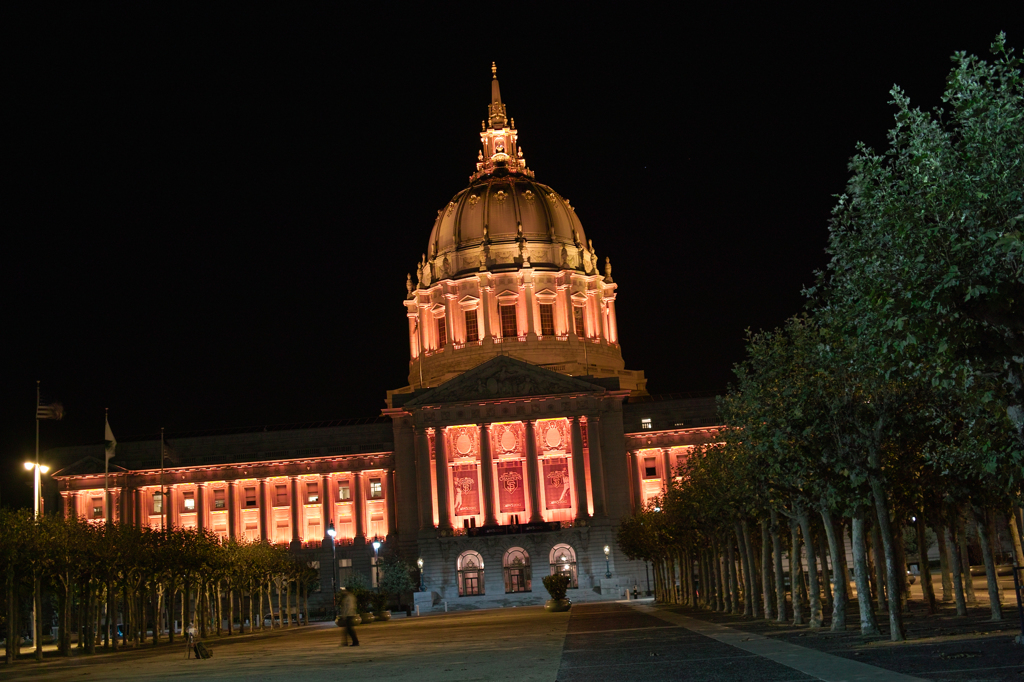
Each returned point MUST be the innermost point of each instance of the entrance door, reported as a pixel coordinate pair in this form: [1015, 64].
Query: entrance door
[472, 584]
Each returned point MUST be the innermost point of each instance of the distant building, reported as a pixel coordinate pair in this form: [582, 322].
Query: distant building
[515, 450]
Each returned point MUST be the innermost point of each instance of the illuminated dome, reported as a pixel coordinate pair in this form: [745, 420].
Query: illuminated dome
[509, 270]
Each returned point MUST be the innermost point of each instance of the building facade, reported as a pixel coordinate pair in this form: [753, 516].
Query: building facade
[518, 445]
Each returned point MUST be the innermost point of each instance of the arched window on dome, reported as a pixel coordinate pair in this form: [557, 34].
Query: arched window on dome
[516, 566]
[471, 574]
[563, 562]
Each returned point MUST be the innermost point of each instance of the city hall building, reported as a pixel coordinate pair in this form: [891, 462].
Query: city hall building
[519, 444]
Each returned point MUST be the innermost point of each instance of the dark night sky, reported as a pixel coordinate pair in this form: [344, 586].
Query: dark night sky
[209, 218]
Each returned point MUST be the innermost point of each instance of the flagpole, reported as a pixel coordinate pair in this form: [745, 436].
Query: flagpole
[35, 501]
[37, 627]
[163, 500]
[106, 465]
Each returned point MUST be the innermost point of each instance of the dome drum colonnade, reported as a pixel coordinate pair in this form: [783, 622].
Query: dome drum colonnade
[508, 264]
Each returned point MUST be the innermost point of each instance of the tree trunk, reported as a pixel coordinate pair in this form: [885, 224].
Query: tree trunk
[766, 559]
[826, 586]
[721, 595]
[868, 624]
[812, 568]
[901, 563]
[90, 631]
[750, 572]
[926, 571]
[981, 521]
[839, 595]
[10, 652]
[730, 566]
[796, 573]
[1011, 527]
[947, 581]
[955, 561]
[892, 570]
[965, 561]
[878, 557]
[780, 585]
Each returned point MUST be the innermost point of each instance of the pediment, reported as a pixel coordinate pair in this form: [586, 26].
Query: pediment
[88, 466]
[503, 377]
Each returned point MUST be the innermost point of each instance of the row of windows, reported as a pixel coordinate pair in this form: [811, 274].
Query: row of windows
[516, 569]
[280, 496]
[510, 323]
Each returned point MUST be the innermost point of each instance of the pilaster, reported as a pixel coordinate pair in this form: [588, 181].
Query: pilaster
[487, 475]
[533, 471]
[441, 462]
[579, 471]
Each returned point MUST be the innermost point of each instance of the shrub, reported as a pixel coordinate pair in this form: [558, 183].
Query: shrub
[556, 585]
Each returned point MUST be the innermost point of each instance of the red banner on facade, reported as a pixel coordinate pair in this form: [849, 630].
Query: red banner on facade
[465, 490]
[556, 483]
[511, 492]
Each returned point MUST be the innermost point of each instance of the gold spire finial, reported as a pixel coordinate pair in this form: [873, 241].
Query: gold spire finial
[494, 70]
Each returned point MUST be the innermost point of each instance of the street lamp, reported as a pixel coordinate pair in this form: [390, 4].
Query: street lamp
[39, 469]
[376, 560]
[334, 558]
[419, 564]
[607, 566]
[37, 604]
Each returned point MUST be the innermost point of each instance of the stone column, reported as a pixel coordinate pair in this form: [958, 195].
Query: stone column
[233, 510]
[73, 503]
[359, 502]
[487, 475]
[327, 500]
[388, 485]
[666, 458]
[639, 478]
[296, 505]
[137, 496]
[531, 324]
[487, 335]
[423, 490]
[201, 523]
[596, 466]
[613, 323]
[174, 515]
[533, 472]
[579, 470]
[444, 518]
[264, 503]
[414, 351]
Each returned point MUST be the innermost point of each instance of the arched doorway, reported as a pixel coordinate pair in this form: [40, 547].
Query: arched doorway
[563, 562]
[516, 566]
[471, 574]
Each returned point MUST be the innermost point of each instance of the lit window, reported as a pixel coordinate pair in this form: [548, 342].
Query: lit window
[375, 488]
[97, 511]
[442, 332]
[344, 492]
[190, 502]
[218, 499]
[312, 493]
[645, 423]
[547, 319]
[509, 326]
[158, 503]
[472, 332]
[650, 467]
[577, 318]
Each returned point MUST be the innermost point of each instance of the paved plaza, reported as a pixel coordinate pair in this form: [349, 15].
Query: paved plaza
[603, 641]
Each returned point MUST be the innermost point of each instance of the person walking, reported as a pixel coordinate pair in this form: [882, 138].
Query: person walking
[348, 612]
